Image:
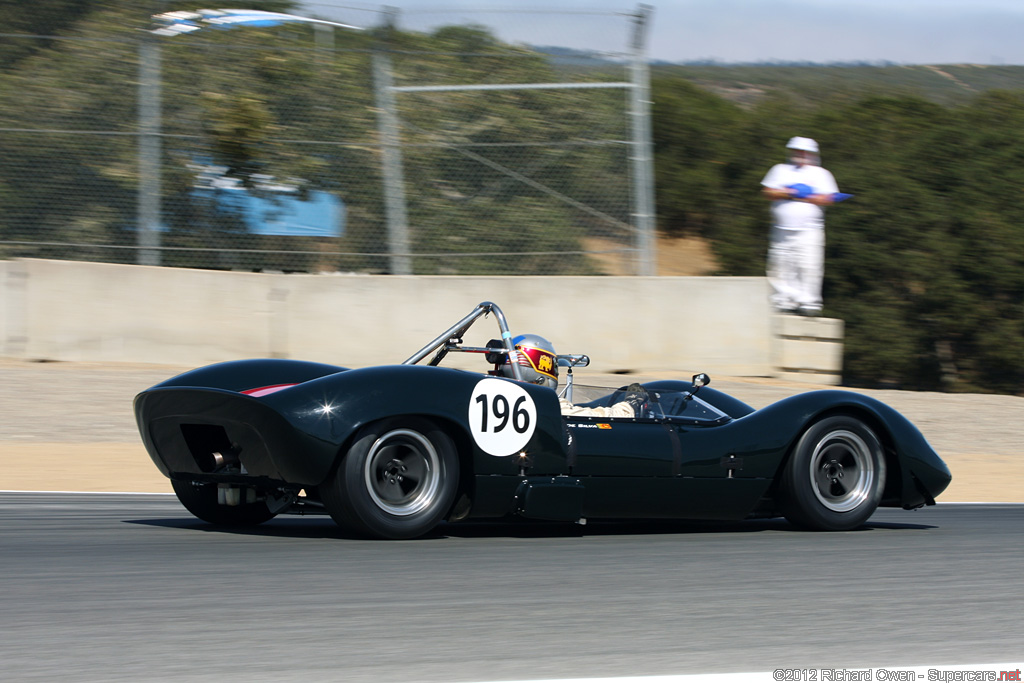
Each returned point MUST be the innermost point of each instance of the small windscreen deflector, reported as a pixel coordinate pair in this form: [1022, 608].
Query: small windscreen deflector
[661, 405]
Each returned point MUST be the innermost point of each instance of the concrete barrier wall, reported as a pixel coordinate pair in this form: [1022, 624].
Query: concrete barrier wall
[3, 304]
[71, 311]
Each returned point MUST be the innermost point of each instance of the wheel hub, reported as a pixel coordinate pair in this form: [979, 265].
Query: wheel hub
[402, 472]
[833, 470]
[393, 471]
[842, 471]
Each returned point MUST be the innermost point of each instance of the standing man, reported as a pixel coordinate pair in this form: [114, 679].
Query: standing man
[799, 191]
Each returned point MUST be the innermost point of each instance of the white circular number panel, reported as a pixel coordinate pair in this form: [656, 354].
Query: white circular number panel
[502, 416]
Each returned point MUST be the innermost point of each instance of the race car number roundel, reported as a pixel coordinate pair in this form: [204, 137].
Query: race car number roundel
[502, 416]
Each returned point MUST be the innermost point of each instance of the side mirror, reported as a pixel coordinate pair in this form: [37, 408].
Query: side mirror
[573, 360]
[699, 380]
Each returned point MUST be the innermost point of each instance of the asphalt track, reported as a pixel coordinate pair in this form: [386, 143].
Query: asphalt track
[131, 587]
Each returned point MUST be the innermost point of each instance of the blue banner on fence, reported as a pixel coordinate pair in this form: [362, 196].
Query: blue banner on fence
[276, 208]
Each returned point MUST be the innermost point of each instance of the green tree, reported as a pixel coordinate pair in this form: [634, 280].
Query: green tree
[924, 265]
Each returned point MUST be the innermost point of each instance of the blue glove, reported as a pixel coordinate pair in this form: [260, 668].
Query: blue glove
[840, 197]
[801, 190]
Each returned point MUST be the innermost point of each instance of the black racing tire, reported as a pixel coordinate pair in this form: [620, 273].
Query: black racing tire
[398, 480]
[201, 501]
[835, 476]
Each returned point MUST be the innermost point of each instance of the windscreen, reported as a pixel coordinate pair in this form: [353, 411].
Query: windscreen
[661, 404]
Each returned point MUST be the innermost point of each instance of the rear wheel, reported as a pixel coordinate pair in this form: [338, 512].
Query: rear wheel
[398, 480]
[201, 501]
[835, 476]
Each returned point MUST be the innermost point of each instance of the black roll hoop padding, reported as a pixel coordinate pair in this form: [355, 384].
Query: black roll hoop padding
[494, 357]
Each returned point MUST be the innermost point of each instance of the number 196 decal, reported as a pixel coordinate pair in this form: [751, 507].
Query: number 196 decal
[502, 416]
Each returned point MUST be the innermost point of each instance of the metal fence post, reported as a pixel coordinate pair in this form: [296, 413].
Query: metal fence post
[641, 158]
[391, 157]
[148, 203]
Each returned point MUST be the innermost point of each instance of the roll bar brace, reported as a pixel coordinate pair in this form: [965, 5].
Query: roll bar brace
[451, 339]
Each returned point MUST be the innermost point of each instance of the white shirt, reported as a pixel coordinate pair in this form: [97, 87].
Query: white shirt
[795, 215]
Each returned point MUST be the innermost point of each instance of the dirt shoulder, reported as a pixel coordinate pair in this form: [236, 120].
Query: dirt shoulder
[70, 427]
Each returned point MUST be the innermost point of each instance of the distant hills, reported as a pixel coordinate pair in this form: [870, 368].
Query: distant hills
[745, 84]
[944, 84]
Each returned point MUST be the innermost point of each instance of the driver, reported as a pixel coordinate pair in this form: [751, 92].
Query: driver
[538, 364]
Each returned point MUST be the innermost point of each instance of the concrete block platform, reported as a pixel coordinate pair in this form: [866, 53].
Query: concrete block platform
[807, 349]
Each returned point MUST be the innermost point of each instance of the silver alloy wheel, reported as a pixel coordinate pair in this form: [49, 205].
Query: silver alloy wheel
[402, 472]
[842, 471]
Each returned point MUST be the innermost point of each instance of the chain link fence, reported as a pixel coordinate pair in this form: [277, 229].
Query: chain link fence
[312, 149]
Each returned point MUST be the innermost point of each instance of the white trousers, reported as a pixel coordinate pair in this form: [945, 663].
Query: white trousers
[796, 266]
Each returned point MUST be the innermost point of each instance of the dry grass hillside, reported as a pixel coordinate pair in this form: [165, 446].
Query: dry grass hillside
[676, 256]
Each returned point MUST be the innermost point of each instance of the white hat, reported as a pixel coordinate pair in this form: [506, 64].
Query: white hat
[803, 144]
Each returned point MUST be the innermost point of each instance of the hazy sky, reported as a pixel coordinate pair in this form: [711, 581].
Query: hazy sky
[902, 31]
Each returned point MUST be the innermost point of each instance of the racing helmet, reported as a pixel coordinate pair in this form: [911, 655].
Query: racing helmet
[538, 362]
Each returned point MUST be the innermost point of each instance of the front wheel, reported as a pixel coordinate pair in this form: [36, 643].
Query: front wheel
[398, 480]
[835, 476]
[201, 501]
